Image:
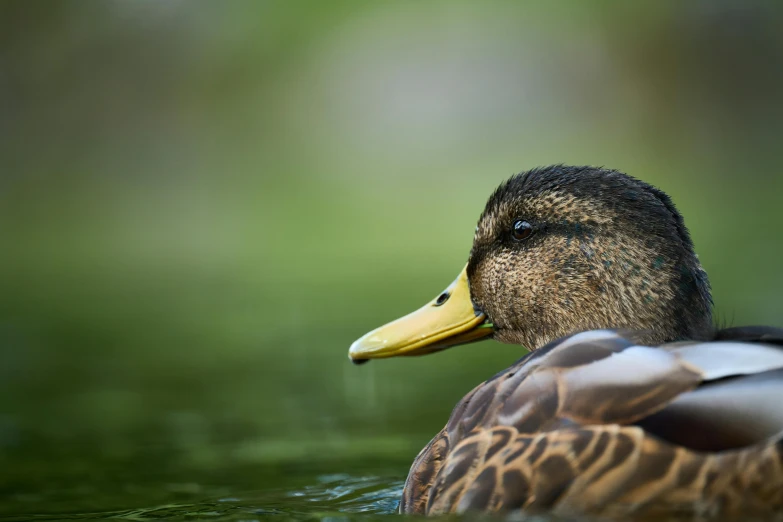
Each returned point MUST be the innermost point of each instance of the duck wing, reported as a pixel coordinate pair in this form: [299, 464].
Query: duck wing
[593, 423]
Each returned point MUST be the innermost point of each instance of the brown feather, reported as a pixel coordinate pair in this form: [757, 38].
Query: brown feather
[572, 429]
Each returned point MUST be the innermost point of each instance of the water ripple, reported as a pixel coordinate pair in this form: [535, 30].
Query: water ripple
[332, 498]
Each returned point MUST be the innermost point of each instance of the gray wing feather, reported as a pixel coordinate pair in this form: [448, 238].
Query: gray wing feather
[717, 360]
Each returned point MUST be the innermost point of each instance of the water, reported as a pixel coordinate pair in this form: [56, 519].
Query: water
[139, 489]
[203, 442]
[328, 497]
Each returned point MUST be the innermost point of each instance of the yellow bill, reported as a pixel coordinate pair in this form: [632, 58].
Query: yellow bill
[446, 321]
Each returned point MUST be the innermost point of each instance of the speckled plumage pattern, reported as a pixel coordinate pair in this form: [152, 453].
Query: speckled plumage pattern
[567, 429]
[608, 251]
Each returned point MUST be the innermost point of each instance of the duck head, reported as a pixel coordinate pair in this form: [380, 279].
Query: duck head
[559, 250]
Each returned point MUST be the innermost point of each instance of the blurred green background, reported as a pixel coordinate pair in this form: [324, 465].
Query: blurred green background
[202, 204]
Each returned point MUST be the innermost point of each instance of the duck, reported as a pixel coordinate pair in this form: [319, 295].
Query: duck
[629, 399]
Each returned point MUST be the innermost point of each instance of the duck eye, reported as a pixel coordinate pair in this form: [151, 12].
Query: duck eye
[521, 230]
